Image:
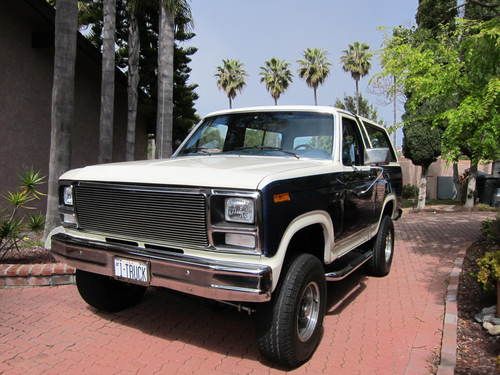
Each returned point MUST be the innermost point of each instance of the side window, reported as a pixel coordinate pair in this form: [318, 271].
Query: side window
[352, 145]
[379, 139]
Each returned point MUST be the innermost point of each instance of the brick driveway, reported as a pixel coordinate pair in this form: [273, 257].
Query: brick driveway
[386, 325]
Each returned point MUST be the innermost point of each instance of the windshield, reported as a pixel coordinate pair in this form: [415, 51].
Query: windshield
[291, 134]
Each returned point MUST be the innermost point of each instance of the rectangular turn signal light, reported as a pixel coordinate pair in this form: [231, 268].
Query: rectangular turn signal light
[283, 197]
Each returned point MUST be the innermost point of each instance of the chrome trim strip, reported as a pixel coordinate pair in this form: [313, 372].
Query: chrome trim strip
[213, 279]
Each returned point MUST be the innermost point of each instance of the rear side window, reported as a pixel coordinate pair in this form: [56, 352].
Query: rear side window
[379, 139]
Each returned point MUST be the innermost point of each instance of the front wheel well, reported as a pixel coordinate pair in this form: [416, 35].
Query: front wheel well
[310, 240]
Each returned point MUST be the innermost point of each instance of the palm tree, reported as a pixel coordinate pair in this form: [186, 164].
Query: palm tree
[63, 104]
[134, 48]
[277, 76]
[356, 60]
[231, 78]
[166, 33]
[107, 82]
[314, 68]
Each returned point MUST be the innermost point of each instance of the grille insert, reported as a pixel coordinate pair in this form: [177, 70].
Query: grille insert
[142, 212]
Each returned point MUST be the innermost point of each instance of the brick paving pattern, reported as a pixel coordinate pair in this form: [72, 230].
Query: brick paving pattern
[390, 325]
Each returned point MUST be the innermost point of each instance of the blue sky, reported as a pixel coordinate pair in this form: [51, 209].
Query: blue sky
[255, 30]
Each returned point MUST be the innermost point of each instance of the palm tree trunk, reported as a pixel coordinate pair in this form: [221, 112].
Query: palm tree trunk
[471, 186]
[164, 118]
[315, 96]
[394, 110]
[107, 82]
[133, 81]
[357, 96]
[422, 189]
[275, 101]
[63, 104]
[230, 102]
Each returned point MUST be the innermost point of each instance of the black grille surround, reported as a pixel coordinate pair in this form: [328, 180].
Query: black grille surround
[147, 213]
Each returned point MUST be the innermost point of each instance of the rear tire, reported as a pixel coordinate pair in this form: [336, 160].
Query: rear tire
[107, 294]
[383, 248]
[289, 327]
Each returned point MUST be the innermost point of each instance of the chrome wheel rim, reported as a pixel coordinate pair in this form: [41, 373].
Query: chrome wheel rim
[388, 247]
[307, 316]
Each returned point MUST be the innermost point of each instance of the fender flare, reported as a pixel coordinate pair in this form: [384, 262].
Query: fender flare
[300, 222]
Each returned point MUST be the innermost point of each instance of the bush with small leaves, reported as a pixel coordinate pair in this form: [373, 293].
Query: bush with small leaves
[489, 270]
[409, 191]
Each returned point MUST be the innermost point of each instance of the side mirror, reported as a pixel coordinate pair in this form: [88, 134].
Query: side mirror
[377, 156]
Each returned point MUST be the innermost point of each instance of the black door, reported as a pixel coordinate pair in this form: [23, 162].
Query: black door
[358, 180]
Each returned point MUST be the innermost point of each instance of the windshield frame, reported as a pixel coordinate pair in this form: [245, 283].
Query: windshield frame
[285, 153]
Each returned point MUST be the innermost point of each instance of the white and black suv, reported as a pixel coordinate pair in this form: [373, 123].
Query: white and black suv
[259, 207]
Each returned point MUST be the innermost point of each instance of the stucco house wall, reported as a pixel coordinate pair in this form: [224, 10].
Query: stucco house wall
[26, 61]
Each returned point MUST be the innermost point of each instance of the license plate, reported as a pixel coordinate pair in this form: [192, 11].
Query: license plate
[132, 270]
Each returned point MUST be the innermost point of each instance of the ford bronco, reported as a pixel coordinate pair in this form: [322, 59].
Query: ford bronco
[258, 207]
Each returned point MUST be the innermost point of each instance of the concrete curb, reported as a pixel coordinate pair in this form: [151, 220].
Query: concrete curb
[450, 323]
[26, 275]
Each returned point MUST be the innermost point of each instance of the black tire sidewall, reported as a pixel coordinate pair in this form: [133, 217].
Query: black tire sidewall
[381, 266]
[276, 322]
[107, 294]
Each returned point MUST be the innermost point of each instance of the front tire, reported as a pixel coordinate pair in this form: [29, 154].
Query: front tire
[107, 294]
[289, 327]
[383, 248]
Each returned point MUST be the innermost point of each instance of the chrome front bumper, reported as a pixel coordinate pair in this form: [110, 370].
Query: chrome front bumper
[219, 280]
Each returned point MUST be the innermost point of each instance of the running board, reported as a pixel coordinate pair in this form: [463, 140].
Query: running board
[350, 268]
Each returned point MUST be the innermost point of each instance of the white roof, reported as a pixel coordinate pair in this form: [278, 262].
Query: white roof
[308, 108]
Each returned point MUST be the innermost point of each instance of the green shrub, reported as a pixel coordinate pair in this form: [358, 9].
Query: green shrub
[36, 222]
[12, 218]
[490, 229]
[489, 270]
[409, 191]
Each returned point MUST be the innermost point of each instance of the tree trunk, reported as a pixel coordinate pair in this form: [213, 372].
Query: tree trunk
[63, 105]
[471, 186]
[133, 81]
[422, 189]
[456, 183]
[395, 113]
[315, 96]
[164, 119]
[230, 102]
[107, 82]
[275, 101]
[357, 96]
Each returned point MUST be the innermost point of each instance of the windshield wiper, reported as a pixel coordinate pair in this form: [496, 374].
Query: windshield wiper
[269, 148]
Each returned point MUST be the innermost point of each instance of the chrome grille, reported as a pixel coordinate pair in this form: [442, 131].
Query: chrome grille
[142, 212]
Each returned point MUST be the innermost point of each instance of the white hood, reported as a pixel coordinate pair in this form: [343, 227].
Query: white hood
[223, 171]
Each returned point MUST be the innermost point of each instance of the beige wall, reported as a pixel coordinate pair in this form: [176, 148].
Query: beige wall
[411, 172]
[25, 100]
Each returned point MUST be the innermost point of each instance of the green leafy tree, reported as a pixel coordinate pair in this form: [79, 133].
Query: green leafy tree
[431, 14]
[456, 75]
[231, 78]
[314, 68]
[356, 60]
[481, 10]
[350, 104]
[276, 75]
